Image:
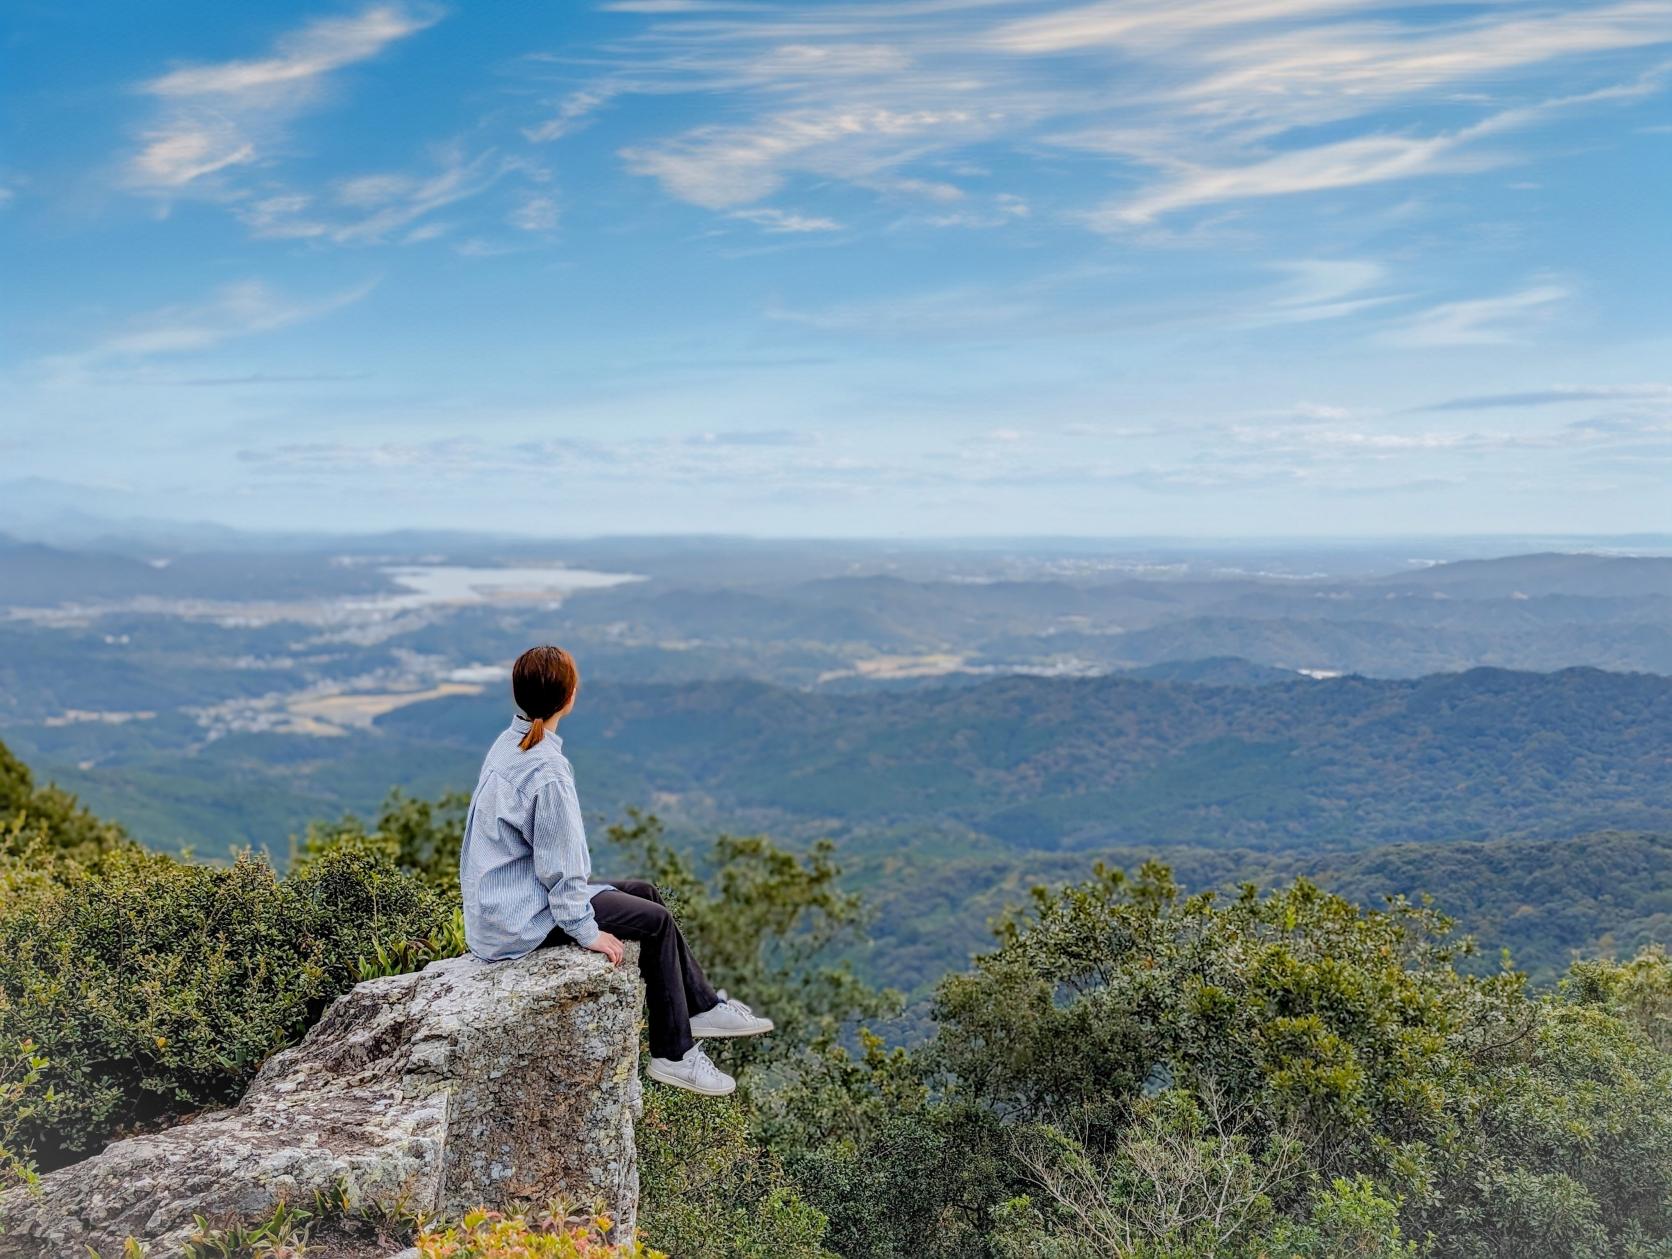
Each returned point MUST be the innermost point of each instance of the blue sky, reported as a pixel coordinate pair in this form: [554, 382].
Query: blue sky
[1211, 267]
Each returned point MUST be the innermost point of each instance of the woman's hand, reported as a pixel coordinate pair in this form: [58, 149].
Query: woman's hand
[609, 946]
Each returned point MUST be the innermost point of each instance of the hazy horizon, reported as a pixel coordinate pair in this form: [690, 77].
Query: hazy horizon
[73, 526]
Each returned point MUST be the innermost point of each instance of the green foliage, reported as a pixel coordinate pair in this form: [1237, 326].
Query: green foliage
[421, 836]
[46, 822]
[282, 1235]
[1349, 1220]
[909, 1185]
[847, 1113]
[1639, 991]
[766, 923]
[1185, 1181]
[1186, 1176]
[1297, 998]
[709, 1191]
[157, 987]
[404, 955]
[23, 1095]
[1563, 1138]
[1311, 1062]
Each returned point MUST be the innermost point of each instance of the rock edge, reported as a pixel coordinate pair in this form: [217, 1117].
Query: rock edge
[464, 1084]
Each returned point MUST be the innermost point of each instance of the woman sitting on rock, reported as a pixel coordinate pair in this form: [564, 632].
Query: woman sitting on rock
[526, 876]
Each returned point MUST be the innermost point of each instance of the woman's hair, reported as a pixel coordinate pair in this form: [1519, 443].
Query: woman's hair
[543, 681]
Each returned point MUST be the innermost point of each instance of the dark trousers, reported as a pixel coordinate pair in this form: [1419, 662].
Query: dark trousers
[674, 986]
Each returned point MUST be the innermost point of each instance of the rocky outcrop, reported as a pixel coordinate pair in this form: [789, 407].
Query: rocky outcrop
[466, 1083]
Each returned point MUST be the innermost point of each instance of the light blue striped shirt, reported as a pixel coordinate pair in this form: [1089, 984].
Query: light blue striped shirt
[524, 864]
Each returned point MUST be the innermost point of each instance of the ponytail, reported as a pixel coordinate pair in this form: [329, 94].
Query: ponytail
[543, 681]
[536, 732]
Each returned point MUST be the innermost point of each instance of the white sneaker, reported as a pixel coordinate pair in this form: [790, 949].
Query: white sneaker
[694, 1073]
[729, 1018]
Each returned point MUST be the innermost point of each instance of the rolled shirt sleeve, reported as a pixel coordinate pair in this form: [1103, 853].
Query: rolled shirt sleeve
[561, 860]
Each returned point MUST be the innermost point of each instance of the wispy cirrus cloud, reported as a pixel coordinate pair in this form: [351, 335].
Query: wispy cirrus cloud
[720, 168]
[1496, 320]
[572, 113]
[222, 133]
[773, 219]
[381, 207]
[218, 116]
[243, 309]
[1199, 104]
[300, 57]
[1342, 164]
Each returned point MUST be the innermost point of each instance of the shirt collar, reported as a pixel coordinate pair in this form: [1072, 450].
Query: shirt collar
[520, 724]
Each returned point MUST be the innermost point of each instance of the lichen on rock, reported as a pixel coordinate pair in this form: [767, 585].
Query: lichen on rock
[464, 1084]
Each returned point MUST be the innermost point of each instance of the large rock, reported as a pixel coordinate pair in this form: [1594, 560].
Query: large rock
[467, 1083]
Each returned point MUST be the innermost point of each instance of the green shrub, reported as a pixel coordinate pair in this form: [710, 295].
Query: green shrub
[23, 1094]
[420, 836]
[1349, 1220]
[1323, 1066]
[909, 1185]
[156, 987]
[47, 820]
[709, 1191]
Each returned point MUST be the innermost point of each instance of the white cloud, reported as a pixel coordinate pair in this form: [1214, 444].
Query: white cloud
[774, 220]
[1322, 289]
[244, 309]
[384, 206]
[186, 150]
[1341, 164]
[1314, 73]
[572, 113]
[1120, 23]
[224, 115]
[1478, 321]
[536, 213]
[722, 167]
[1207, 103]
[319, 47]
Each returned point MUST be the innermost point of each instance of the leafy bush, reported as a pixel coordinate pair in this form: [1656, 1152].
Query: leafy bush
[47, 821]
[156, 987]
[557, 1234]
[908, 1185]
[708, 1191]
[420, 836]
[1185, 1077]
[22, 1094]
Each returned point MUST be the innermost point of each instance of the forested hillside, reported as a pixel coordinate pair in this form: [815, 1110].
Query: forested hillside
[1535, 805]
[1042, 763]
